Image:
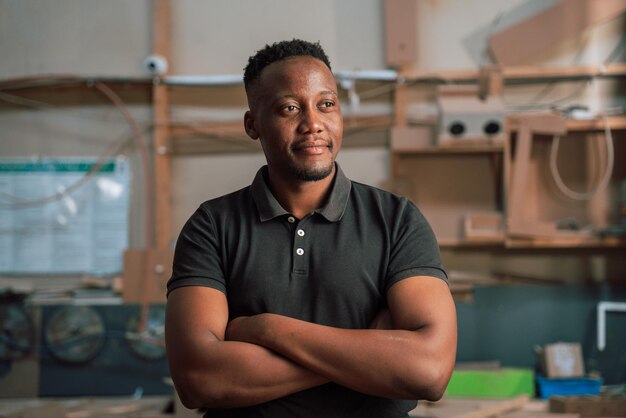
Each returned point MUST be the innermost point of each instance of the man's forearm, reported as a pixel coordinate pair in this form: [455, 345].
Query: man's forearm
[236, 374]
[400, 364]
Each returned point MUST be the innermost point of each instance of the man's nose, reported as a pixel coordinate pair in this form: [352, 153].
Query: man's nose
[311, 121]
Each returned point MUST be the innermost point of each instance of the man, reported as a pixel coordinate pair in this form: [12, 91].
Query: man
[306, 294]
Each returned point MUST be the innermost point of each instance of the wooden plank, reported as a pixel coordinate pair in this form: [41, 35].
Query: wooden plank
[490, 82]
[161, 24]
[571, 242]
[91, 407]
[578, 125]
[161, 148]
[530, 414]
[519, 73]
[136, 288]
[469, 407]
[400, 32]
[162, 167]
[518, 223]
[513, 73]
[522, 42]
[497, 409]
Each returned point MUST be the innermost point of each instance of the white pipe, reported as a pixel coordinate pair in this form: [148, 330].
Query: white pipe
[376, 75]
[226, 79]
[203, 80]
[603, 308]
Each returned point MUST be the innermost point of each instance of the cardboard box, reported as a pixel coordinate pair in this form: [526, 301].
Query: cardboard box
[563, 360]
[590, 406]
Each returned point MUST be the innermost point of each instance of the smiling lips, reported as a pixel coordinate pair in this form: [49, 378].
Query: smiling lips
[312, 148]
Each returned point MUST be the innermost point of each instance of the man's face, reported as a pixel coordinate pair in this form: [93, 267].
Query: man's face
[295, 112]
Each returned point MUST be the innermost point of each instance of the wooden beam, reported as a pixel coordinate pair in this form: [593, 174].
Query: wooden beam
[616, 123]
[490, 82]
[494, 410]
[522, 42]
[401, 32]
[160, 109]
[518, 223]
[518, 74]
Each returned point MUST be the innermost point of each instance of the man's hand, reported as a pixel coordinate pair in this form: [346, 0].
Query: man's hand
[255, 359]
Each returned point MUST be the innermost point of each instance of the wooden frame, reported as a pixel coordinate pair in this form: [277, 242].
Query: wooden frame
[518, 222]
[568, 18]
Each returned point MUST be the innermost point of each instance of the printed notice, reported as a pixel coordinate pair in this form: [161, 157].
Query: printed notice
[63, 216]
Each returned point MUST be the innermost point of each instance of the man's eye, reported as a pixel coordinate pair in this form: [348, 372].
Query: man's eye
[291, 108]
[328, 104]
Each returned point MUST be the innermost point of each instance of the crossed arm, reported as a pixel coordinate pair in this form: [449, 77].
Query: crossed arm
[256, 359]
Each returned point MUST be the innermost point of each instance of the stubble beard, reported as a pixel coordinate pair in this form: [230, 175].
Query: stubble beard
[313, 173]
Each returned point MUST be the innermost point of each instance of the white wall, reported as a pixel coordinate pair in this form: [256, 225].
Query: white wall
[112, 38]
[85, 37]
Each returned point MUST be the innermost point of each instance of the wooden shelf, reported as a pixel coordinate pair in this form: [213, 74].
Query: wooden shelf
[519, 75]
[598, 124]
[452, 149]
[462, 244]
[578, 125]
[569, 243]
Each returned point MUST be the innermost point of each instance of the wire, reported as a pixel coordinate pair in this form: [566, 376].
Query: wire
[39, 105]
[18, 202]
[149, 197]
[607, 174]
[140, 141]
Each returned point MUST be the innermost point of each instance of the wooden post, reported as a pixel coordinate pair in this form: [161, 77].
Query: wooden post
[401, 53]
[400, 32]
[161, 135]
[518, 222]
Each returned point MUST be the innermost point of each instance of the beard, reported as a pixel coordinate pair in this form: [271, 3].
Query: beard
[312, 173]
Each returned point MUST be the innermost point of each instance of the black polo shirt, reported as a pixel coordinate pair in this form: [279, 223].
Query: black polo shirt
[333, 267]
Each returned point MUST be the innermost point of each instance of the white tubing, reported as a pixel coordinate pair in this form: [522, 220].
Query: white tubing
[610, 156]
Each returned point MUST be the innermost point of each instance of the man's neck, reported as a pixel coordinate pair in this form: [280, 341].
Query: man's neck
[301, 197]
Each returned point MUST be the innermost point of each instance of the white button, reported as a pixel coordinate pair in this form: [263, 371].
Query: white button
[291, 219]
[300, 232]
[299, 251]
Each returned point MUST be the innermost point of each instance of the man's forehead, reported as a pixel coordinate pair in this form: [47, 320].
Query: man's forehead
[290, 71]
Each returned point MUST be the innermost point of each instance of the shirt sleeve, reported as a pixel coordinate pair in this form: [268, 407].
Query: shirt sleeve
[197, 258]
[414, 250]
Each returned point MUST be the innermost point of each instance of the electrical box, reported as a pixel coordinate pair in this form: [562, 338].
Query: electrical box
[465, 118]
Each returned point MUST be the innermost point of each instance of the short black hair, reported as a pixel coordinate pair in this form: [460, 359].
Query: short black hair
[279, 51]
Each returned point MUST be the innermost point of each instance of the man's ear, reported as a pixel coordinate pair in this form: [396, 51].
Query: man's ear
[248, 123]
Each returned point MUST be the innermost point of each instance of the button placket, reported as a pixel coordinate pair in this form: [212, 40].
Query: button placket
[299, 241]
[300, 259]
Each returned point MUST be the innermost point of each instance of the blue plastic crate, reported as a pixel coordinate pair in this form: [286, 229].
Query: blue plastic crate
[578, 386]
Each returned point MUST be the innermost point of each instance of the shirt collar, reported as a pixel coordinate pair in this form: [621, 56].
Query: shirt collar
[269, 208]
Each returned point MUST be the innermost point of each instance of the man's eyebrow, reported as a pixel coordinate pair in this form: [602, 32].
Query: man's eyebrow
[293, 96]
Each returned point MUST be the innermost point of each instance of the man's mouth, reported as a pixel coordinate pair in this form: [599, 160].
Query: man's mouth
[312, 148]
